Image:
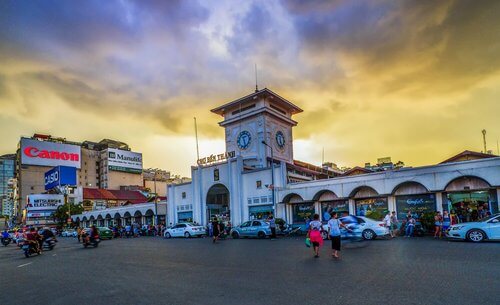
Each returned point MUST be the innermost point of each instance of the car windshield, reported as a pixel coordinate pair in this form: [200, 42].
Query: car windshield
[487, 218]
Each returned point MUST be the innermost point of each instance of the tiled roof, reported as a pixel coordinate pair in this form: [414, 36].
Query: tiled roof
[102, 194]
[468, 155]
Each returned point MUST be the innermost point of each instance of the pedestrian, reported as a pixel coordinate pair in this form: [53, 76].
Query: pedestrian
[387, 221]
[394, 224]
[272, 226]
[334, 233]
[446, 221]
[410, 225]
[215, 230]
[79, 233]
[128, 230]
[314, 234]
[210, 229]
[438, 223]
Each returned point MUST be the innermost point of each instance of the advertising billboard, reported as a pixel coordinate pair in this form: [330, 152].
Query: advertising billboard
[34, 152]
[60, 176]
[44, 202]
[124, 161]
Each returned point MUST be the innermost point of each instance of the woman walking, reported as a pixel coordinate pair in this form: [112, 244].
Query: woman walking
[314, 234]
[334, 234]
[438, 223]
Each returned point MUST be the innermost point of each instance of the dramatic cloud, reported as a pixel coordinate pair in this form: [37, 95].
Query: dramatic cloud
[415, 80]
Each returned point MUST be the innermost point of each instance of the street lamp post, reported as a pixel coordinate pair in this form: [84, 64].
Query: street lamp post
[272, 176]
[156, 202]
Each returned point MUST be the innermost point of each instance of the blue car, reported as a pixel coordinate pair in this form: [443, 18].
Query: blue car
[477, 231]
[253, 228]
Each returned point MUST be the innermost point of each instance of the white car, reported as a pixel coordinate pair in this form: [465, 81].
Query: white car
[185, 229]
[360, 226]
[485, 229]
[69, 233]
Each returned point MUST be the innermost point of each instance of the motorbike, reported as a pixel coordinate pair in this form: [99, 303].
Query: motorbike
[49, 243]
[87, 241]
[30, 249]
[6, 241]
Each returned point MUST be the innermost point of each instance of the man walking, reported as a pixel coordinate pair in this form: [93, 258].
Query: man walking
[394, 224]
[272, 225]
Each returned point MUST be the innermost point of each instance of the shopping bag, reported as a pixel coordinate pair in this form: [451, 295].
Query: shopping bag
[308, 242]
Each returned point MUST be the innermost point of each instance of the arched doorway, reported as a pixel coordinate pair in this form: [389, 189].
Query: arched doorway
[127, 217]
[369, 203]
[218, 203]
[329, 203]
[470, 198]
[414, 198]
[138, 217]
[149, 217]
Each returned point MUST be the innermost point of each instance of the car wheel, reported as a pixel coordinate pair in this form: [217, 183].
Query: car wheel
[167, 235]
[261, 235]
[476, 236]
[235, 235]
[368, 234]
[187, 235]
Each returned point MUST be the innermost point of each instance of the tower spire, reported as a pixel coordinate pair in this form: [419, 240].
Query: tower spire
[256, 83]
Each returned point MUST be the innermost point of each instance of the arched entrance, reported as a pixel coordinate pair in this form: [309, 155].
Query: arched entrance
[369, 203]
[218, 203]
[470, 198]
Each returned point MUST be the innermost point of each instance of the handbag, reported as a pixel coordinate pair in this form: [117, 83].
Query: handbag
[308, 242]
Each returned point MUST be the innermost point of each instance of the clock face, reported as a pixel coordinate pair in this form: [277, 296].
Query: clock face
[244, 139]
[280, 139]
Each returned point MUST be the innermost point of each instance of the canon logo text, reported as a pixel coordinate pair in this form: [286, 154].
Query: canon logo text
[34, 152]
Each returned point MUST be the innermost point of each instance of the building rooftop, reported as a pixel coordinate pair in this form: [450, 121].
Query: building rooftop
[122, 195]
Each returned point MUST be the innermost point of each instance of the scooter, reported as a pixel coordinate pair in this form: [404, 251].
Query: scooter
[29, 249]
[6, 241]
[49, 243]
[87, 241]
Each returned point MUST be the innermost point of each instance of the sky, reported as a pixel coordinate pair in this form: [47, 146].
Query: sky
[413, 80]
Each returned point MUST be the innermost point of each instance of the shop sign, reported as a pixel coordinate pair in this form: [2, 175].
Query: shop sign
[417, 204]
[374, 208]
[59, 176]
[217, 158]
[44, 202]
[44, 153]
[124, 160]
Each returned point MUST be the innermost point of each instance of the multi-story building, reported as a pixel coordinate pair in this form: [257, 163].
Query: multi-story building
[7, 171]
[107, 164]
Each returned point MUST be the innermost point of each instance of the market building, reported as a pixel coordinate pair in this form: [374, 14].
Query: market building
[258, 175]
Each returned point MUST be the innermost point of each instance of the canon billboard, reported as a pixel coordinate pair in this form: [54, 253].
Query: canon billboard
[34, 152]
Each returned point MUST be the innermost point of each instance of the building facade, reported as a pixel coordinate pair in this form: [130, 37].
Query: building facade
[107, 164]
[258, 175]
[7, 180]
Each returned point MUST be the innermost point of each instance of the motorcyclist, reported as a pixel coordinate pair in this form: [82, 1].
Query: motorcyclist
[5, 235]
[93, 233]
[47, 233]
[34, 239]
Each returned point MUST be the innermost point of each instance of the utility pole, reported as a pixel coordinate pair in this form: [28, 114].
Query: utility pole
[484, 140]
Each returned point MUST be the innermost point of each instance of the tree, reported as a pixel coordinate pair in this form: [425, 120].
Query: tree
[61, 215]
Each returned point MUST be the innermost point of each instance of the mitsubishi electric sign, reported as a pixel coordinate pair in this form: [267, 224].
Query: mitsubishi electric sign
[43, 153]
[44, 202]
[124, 161]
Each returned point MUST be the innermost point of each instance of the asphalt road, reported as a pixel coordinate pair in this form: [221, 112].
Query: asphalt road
[194, 271]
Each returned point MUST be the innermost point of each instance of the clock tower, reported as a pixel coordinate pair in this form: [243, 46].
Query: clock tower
[262, 116]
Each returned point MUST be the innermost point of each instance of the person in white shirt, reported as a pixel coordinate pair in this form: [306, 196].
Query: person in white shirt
[334, 234]
[387, 220]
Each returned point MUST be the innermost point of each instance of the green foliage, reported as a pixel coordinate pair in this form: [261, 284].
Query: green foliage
[61, 215]
[427, 220]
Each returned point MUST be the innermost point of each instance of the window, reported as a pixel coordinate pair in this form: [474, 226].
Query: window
[216, 174]
[256, 224]
[243, 109]
[245, 224]
[259, 184]
[183, 195]
[256, 200]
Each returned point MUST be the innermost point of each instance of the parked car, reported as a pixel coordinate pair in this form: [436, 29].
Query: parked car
[360, 226]
[69, 233]
[185, 229]
[252, 228]
[105, 233]
[485, 229]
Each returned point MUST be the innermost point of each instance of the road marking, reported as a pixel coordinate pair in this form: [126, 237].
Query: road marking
[54, 254]
[24, 265]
